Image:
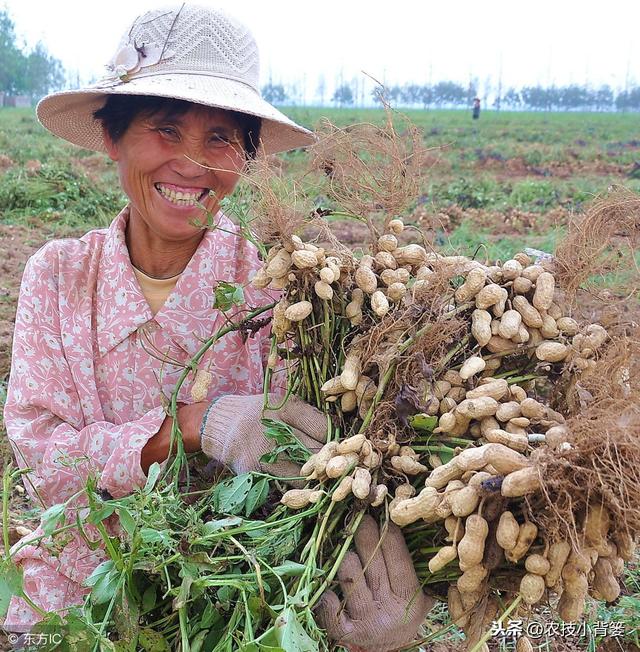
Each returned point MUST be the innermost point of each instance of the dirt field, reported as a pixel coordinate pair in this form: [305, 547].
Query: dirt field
[514, 185]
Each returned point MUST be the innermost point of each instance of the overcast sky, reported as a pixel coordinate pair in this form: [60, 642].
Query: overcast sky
[397, 41]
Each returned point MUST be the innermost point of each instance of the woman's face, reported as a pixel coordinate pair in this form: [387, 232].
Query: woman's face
[169, 165]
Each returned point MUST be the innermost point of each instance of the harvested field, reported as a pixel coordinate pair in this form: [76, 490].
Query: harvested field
[512, 181]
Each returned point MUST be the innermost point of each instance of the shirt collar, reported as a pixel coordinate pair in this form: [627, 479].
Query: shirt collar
[188, 315]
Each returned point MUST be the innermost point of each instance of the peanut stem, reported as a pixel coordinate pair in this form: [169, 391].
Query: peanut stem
[485, 637]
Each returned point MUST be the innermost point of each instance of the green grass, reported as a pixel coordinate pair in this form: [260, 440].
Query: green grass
[59, 193]
[81, 187]
[502, 130]
[469, 240]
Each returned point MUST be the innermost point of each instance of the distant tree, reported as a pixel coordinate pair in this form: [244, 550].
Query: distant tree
[553, 97]
[426, 95]
[274, 93]
[343, 95]
[498, 101]
[512, 99]
[393, 94]
[603, 98]
[628, 100]
[44, 73]
[539, 98]
[410, 94]
[34, 74]
[448, 92]
[355, 90]
[622, 100]
[486, 92]
[573, 97]
[632, 99]
[377, 94]
[12, 61]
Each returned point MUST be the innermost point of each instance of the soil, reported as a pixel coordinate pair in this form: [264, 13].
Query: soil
[17, 243]
[518, 167]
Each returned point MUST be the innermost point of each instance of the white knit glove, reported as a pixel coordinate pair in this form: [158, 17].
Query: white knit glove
[232, 433]
[383, 604]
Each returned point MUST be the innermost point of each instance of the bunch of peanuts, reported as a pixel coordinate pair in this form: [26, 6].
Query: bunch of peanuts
[512, 308]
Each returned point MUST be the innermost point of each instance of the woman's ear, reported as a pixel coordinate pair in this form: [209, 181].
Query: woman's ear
[110, 145]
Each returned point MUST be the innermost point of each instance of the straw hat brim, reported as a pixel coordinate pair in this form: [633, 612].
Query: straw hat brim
[69, 114]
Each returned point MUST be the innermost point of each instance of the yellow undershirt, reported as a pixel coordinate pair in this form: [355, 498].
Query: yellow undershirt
[156, 290]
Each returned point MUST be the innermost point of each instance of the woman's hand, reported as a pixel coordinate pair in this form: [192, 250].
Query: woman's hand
[189, 419]
[383, 603]
[233, 434]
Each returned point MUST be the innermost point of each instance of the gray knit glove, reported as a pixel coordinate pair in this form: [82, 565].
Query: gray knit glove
[233, 434]
[383, 604]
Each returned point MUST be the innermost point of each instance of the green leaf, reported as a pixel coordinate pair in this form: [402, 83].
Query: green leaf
[220, 524]
[226, 593]
[123, 646]
[52, 518]
[210, 616]
[155, 536]
[256, 532]
[104, 582]
[269, 642]
[445, 457]
[99, 572]
[423, 422]
[73, 628]
[213, 638]
[257, 496]
[291, 634]
[286, 442]
[152, 641]
[227, 295]
[229, 495]
[127, 521]
[10, 584]
[290, 569]
[152, 477]
[149, 598]
[183, 593]
[102, 512]
[12, 575]
[198, 640]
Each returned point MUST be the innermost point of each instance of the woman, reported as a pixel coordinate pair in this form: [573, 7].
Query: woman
[105, 321]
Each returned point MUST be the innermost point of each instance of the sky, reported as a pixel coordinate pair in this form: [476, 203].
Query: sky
[523, 42]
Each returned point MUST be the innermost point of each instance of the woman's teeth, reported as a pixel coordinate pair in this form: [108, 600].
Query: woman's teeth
[179, 198]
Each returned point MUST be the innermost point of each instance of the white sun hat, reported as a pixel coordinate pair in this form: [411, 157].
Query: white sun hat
[187, 52]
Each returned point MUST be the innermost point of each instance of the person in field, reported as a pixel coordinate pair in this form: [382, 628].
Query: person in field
[476, 108]
[106, 322]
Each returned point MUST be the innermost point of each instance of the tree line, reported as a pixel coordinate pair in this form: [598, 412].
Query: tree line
[34, 73]
[449, 94]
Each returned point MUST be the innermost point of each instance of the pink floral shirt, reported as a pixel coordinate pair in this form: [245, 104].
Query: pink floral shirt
[90, 367]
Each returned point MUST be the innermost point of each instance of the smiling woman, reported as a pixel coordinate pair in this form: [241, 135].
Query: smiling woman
[106, 323]
[173, 160]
